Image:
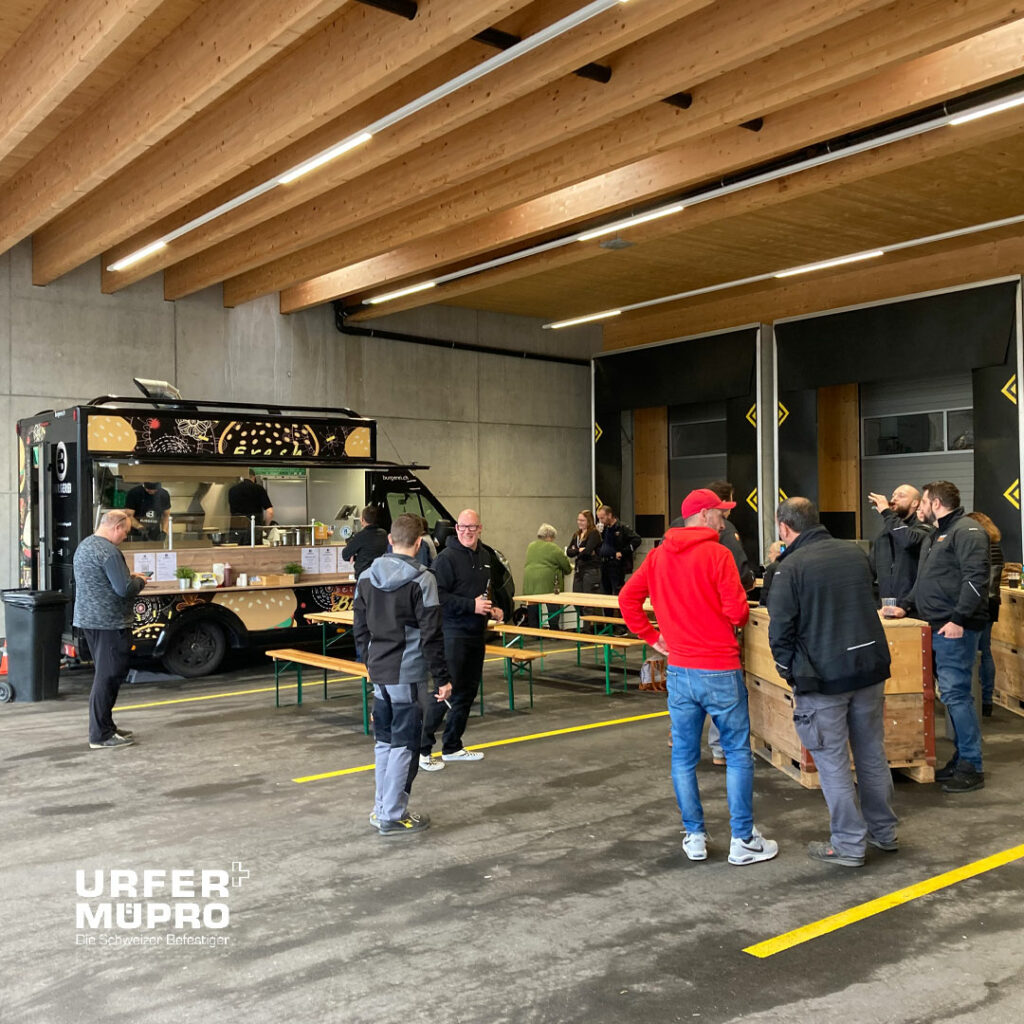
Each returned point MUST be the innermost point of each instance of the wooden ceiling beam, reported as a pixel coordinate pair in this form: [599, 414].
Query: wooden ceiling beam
[65, 43]
[698, 48]
[618, 27]
[948, 266]
[885, 96]
[911, 152]
[207, 54]
[339, 65]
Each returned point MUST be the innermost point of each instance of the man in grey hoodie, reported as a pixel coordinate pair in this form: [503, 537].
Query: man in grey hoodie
[398, 624]
[105, 593]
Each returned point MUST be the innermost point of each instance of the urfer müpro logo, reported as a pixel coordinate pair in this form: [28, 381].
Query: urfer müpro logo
[179, 903]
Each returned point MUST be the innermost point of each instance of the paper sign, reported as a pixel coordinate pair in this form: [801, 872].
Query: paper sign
[145, 561]
[310, 560]
[166, 565]
[345, 566]
[328, 559]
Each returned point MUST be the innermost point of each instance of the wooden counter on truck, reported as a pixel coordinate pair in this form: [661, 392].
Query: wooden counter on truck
[909, 703]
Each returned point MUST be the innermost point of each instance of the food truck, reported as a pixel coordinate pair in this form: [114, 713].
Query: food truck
[318, 467]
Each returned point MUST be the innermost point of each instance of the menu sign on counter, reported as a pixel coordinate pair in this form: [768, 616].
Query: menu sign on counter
[145, 561]
[328, 559]
[166, 565]
[310, 560]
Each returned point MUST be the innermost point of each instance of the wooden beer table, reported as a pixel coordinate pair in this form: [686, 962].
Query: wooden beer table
[909, 703]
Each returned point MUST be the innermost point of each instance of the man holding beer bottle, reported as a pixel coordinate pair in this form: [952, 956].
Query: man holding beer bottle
[463, 571]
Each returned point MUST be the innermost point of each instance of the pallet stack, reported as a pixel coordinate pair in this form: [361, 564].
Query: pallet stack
[909, 703]
[1008, 651]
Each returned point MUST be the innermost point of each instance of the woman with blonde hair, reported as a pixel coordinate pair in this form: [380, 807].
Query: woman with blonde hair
[987, 671]
[584, 547]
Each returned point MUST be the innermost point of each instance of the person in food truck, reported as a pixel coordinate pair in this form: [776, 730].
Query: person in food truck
[149, 505]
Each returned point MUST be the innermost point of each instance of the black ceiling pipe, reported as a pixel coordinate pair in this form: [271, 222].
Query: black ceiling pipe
[403, 8]
[341, 314]
[506, 40]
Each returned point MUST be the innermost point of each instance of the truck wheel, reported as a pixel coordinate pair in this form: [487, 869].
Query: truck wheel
[196, 649]
[6, 692]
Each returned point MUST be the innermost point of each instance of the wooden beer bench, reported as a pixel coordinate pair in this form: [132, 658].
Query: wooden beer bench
[286, 658]
[517, 661]
[617, 645]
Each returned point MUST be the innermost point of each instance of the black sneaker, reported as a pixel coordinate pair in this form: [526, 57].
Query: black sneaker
[986, 710]
[826, 853]
[403, 826]
[889, 845]
[966, 780]
[947, 771]
[123, 732]
[113, 741]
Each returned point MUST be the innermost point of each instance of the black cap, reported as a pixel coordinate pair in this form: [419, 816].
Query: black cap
[152, 486]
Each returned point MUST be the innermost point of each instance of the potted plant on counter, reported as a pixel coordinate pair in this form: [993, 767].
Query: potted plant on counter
[185, 577]
[293, 569]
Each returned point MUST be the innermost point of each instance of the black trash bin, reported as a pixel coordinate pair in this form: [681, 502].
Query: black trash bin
[35, 622]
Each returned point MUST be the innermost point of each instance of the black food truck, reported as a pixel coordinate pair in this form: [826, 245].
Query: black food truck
[216, 580]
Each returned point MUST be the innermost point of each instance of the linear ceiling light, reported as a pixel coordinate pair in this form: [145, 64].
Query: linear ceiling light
[826, 264]
[141, 254]
[606, 315]
[995, 108]
[629, 222]
[530, 43]
[411, 290]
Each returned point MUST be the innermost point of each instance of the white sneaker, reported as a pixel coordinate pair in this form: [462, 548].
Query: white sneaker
[464, 755]
[752, 850]
[430, 764]
[695, 845]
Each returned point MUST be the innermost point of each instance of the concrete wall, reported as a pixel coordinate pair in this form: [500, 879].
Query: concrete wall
[506, 435]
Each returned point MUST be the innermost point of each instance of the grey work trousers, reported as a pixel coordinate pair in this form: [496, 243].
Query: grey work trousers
[826, 723]
[397, 723]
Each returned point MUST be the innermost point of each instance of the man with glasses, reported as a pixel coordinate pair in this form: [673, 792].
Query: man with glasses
[105, 592]
[463, 571]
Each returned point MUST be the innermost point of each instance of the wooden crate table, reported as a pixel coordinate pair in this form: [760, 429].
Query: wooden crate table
[1008, 651]
[909, 703]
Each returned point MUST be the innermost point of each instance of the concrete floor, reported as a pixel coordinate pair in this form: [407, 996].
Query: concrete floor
[551, 888]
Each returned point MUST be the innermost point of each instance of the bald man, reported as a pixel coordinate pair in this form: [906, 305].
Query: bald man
[897, 549]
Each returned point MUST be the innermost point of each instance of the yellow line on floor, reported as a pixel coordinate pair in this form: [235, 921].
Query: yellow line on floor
[878, 906]
[284, 686]
[499, 743]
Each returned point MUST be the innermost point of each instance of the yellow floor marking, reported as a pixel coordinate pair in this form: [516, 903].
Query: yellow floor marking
[284, 686]
[499, 743]
[912, 892]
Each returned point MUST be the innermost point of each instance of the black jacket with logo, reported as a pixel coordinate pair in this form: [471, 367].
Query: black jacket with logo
[896, 553]
[462, 576]
[953, 575]
[824, 630]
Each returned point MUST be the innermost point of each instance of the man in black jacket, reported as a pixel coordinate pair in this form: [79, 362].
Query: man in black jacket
[618, 542]
[951, 595]
[369, 543]
[829, 645]
[463, 571]
[897, 549]
[397, 621]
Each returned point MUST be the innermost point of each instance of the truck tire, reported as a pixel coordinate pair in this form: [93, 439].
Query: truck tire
[196, 649]
[6, 692]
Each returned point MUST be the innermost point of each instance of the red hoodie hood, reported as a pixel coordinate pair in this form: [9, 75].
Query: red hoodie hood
[686, 538]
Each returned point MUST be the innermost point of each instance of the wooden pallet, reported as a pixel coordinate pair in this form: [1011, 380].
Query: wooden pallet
[791, 766]
[1009, 701]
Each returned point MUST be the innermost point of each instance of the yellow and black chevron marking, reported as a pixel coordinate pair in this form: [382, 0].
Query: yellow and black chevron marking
[783, 414]
[1009, 389]
[597, 432]
[752, 499]
[1012, 494]
[783, 496]
[752, 416]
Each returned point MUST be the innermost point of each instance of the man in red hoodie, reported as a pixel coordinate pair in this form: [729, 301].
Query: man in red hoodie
[695, 588]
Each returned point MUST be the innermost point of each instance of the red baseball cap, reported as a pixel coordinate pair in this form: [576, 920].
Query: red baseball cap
[697, 501]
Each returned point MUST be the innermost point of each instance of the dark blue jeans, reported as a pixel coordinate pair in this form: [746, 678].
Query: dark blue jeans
[954, 666]
[987, 672]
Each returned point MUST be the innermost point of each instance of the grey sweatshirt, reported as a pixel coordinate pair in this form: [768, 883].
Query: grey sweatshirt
[104, 589]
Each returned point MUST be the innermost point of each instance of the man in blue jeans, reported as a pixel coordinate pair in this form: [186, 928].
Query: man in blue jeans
[695, 588]
[951, 595]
